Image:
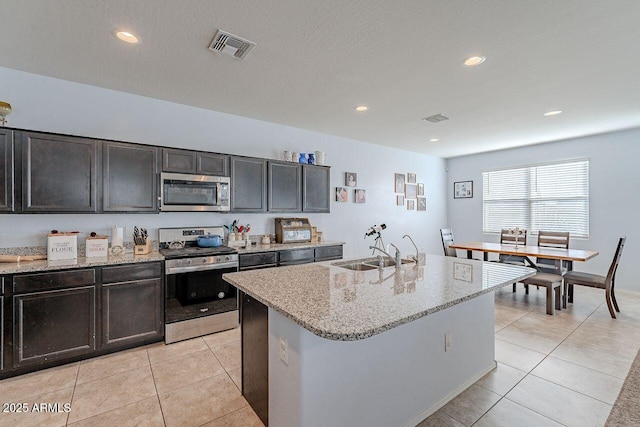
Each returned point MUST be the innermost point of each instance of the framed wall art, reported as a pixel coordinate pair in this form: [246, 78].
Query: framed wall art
[463, 190]
[411, 205]
[342, 195]
[410, 191]
[360, 195]
[351, 179]
[411, 178]
[420, 190]
[400, 200]
[422, 203]
[399, 182]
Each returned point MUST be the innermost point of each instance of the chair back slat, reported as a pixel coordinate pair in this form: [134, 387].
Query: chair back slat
[552, 239]
[447, 240]
[611, 274]
[509, 239]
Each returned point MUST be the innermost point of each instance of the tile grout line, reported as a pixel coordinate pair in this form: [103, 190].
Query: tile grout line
[164, 421]
[73, 394]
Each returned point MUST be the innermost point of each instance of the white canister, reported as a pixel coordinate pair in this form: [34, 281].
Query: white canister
[294, 156]
[320, 157]
[287, 155]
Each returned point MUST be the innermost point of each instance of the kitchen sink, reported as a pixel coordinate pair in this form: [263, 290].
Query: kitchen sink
[367, 264]
[357, 266]
[386, 262]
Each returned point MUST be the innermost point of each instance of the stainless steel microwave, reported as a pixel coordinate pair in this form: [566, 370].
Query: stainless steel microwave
[180, 192]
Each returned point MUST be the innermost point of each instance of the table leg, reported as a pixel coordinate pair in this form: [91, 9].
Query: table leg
[485, 256]
[469, 254]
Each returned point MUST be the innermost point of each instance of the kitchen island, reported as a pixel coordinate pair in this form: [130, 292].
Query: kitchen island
[324, 345]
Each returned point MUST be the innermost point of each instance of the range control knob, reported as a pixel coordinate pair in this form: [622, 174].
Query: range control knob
[204, 260]
[218, 259]
[188, 262]
[227, 258]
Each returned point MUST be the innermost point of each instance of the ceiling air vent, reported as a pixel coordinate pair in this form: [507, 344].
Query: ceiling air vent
[231, 45]
[436, 118]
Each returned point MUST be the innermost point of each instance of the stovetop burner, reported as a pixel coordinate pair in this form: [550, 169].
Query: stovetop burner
[183, 242]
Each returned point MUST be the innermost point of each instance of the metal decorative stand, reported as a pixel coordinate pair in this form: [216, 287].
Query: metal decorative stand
[517, 232]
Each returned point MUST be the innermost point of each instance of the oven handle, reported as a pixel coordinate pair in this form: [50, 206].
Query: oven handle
[190, 268]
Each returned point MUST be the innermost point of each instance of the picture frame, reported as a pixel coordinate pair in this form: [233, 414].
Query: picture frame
[351, 179]
[411, 205]
[410, 191]
[399, 200]
[342, 194]
[399, 182]
[420, 189]
[463, 190]
[360, 195]
[411, 178]
[421, 204]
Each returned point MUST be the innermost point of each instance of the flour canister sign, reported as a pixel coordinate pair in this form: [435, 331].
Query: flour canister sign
[62, 246]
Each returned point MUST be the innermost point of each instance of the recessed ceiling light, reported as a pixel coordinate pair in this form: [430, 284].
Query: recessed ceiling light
[127, 37]
[361, 108]
[553, 113]
[434, 140]
[474, 60]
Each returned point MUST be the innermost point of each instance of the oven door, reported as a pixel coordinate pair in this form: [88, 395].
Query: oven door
[201, 293]
[184, 192]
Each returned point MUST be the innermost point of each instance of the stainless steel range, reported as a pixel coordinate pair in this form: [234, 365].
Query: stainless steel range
[198, 301]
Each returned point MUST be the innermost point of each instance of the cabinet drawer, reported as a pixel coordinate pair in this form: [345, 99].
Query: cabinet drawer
[258, 259]
[328, 252]
[297, 256]
[126, 273]
[51, 281]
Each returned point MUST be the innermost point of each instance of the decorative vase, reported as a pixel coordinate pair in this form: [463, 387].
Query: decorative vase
[311, 160]
[303, 158]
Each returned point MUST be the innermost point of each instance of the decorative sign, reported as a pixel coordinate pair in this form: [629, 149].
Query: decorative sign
[62, 246]
[463, 190]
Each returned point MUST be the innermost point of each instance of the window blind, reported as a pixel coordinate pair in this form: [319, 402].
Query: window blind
[550, 197]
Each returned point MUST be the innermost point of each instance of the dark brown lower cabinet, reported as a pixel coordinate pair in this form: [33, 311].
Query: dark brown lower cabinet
[255, 355]
[132, 310]
[54, 325]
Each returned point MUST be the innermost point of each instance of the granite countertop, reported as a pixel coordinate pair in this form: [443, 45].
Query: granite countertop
[345, 305]
[80, 262]
[285, 246]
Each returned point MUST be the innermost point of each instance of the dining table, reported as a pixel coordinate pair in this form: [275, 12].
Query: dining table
[559, 255]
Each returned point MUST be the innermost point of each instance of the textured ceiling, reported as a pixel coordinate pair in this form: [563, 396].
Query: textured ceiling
[315, 60]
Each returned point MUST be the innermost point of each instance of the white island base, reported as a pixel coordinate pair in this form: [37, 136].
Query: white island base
[395, 378]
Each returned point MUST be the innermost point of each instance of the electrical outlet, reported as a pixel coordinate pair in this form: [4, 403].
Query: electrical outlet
[284, 351]
[447, 341]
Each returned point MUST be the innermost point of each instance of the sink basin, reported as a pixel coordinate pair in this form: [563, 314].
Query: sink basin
[367, 264]
[386, 262]
[357, 266]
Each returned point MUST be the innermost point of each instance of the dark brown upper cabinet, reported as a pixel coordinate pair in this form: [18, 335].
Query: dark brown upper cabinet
[187, 161]
[59, 173]
[6, 170]
[129, 177]
[249, 184]
[316, 189]
[285, 187]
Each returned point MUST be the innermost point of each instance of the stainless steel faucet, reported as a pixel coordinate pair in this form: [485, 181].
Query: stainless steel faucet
[398, 256]
[374, 248]
[414, 245]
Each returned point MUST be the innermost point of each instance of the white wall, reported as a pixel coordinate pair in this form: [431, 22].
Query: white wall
[54, 105]
[614, 204]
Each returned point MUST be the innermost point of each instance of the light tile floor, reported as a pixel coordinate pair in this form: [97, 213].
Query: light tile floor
[564, 369]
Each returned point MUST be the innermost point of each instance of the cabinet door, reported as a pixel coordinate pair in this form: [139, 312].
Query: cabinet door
[59, 173]
[326, 253]
[6, 170]
[212, 164]
[183, 161]
[255, 355]
[296, 256]
[315, 191]
[129, 178]
[132, 312]
[285, 187]
[132, 304]
[249, 184]
[54, 325]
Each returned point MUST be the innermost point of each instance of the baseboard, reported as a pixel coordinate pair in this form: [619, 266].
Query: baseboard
[446, 399]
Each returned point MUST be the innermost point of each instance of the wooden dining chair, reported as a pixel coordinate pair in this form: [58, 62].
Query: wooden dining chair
[509, 239]
[596, 281]
[447, 240]
[553, 239]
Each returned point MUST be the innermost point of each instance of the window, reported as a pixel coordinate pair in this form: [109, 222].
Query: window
[550, 197]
